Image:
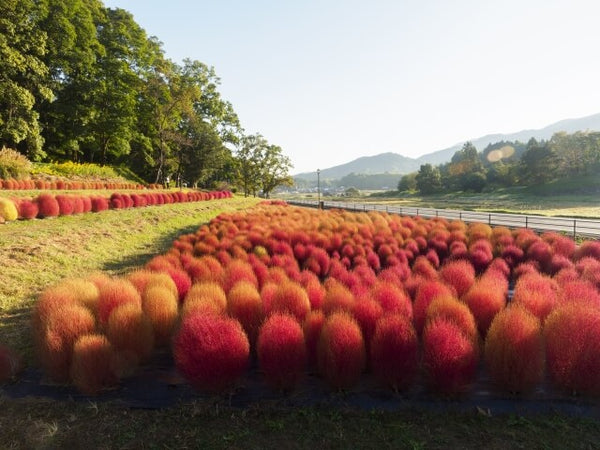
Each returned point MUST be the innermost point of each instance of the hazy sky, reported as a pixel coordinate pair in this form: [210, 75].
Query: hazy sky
[332, 80]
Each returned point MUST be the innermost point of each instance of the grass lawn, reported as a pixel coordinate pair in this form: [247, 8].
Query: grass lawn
[34, 254]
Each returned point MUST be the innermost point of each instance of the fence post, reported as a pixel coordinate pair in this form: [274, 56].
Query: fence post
[490, 220]
[574, 228]
[526, 221]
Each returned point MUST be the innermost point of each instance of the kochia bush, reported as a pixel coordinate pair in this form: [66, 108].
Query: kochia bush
[449, 357]
[394, 352]
[572, 337]
[211, 352]
[341, 351]
[281, 351]
[514, 351]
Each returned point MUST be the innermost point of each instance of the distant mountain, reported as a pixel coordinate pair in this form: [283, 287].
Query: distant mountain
[369, 165]
[591, 123]
[396, 163]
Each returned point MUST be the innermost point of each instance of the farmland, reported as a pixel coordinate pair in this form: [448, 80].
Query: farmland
[40, 253]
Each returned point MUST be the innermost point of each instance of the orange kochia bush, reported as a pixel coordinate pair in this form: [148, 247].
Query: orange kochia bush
[348, 291]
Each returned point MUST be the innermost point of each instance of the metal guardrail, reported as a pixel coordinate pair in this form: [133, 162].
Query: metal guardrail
[585, 228]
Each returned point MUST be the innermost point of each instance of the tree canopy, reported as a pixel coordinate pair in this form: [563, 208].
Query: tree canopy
[83, 82]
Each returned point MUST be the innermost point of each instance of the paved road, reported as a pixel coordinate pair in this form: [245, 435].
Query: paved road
[586, 228]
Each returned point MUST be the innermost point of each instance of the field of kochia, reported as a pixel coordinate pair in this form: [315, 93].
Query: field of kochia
[293, 291]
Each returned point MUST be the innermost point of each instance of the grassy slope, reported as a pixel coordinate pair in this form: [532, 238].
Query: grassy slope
[34, 254]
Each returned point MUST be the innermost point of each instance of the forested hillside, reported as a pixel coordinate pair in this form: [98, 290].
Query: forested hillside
[507, 164]
[85, 83]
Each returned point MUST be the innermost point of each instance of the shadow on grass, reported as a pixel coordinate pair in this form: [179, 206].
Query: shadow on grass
[158, 246]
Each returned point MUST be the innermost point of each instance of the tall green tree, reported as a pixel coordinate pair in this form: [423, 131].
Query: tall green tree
[538, 163]
[275, 169]
[73, 49]
[428, 179]
[23, 75]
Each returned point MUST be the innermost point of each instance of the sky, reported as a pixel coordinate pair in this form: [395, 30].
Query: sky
[330, 81]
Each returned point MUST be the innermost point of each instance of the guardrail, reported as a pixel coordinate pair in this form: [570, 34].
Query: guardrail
[585, 228]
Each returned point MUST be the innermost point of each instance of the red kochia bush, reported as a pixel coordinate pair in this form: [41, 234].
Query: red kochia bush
[459, 274]
[514, 351]
[538, 293]
[91, 367]
[572, 337]
[341, 351]
[313, 323]
[211, 352]
[426, 293]
[28, 209]
[449, 357]
[394, 352]
[485, 299]
[47, 205]
[281, 351]
[244, 304]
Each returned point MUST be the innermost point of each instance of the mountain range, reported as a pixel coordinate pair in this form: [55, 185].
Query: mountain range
[395, 163]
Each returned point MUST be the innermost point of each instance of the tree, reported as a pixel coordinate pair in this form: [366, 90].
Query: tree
[248, 156]
[538, 163]
[275, 168]
[428, 179]
[408, 182]
[72, 51]
[261, 166]
[23, 75]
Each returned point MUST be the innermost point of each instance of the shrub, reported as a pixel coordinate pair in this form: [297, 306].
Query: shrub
[65, 205]
[207, 296]
[485, 299]
[579, 292]
[538, 293]
[313, 323]
[367, 312]
[392, 299]
[205, 268]
[289, 297]
[572, 338]
[455, 311]
[8, 210]
[47, 205]
[238, 270]
[211, 352]
[449, 357]
[245, 305]
[514, 351]
[62, 328]
[281, 351]
[182, 281]
[337, 297]
[427, 291]
[28, 209]
[394, 352]
[161, 307]
[341, 351]
[459, 274]
[114, 293]
[130, 332]
[91, 369]
[13, 164]
[587, 249]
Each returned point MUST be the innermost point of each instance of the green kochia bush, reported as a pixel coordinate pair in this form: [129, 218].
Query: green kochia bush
[13, 164]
